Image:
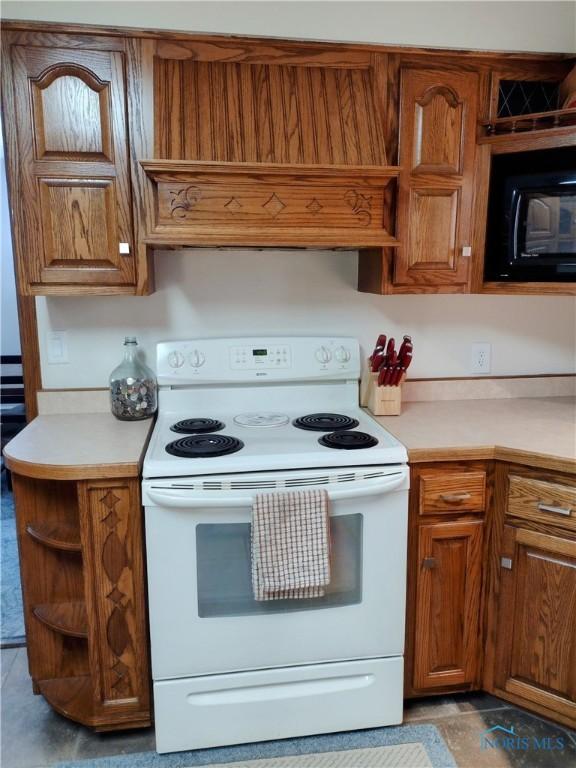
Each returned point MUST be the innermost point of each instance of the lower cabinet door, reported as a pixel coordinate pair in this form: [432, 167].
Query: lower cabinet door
[536, 629]
[448, 604]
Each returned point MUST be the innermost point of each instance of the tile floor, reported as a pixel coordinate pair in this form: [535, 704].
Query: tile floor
[34, 736]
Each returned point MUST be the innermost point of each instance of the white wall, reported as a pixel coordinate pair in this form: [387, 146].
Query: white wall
[207, 292]
[528, 26]
[10, 335]
[211, 293]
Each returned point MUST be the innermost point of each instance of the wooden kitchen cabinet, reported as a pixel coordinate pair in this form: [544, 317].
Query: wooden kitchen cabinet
[438, 112]
[65, 112]
[82, 569]
[536, 636]
[448, 603]
[445, 577]
[531, 637]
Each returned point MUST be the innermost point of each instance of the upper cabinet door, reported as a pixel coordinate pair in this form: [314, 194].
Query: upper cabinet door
[437, 144]
[71, 200]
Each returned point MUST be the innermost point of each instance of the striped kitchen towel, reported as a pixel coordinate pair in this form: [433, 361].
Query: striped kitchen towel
[290, 544]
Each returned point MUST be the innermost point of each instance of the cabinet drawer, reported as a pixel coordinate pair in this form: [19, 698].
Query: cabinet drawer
[542, 501]
[448, 492]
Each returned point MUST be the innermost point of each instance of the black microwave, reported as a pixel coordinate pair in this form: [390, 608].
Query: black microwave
[531, 235]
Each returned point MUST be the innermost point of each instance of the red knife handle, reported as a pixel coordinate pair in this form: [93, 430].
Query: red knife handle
[377, 361]
[381, 341]
[382, 375]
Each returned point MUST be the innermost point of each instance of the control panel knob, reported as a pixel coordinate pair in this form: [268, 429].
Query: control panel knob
[323, 355]
[176, 359]
[196, 358]
[342, 355]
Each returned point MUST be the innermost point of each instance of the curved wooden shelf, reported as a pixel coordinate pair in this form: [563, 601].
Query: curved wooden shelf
[73, 697]
[56, 535]
[66, 618]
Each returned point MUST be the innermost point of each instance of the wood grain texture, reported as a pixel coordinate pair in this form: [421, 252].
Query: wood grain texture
[448, 603]
[273, 204]
[526, 497]
[72, 145]
[49, 577]
[112, 542]
[57, 535]
[445, 492]
[66, 618]
[436, 185]
[265, 112]
[536, 649]
[428, 607]
[81, 560]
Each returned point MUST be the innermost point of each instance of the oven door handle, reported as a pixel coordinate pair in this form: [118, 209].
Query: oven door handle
[182, 498]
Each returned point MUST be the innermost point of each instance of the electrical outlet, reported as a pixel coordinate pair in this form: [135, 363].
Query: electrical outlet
[57, 347]
[480, 359]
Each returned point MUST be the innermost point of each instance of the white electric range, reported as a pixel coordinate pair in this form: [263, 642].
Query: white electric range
[239, 417]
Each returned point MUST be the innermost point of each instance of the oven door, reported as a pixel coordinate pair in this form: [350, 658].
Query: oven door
[203, 616]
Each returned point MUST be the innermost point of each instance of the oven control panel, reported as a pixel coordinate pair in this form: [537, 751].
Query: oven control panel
[255, 359]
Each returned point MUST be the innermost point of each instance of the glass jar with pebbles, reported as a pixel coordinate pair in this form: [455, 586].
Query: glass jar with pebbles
[132, 386]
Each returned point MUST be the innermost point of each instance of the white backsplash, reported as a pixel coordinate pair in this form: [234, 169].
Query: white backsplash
[206, 292]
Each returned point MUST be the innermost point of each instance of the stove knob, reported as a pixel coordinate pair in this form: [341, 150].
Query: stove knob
[176, 359]
[196, 358]
[323, 355]
[342, 355]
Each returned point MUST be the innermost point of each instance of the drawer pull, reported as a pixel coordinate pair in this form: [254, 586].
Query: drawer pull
[455, 498]
[556, 510]
[506, 562]
[428, 563]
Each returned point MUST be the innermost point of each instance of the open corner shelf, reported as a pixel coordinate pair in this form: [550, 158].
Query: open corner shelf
[65, 618]
[56, 535]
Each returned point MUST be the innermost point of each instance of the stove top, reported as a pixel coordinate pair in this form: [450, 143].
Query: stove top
[252, 442]
[262, 404]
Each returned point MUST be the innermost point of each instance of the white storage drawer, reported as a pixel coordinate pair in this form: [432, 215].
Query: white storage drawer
[216, 710]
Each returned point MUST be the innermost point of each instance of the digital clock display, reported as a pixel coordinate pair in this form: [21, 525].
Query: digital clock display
[259, 352]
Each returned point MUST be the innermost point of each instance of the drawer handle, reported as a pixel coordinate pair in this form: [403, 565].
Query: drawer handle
[455, 498]
[428, 563]
[557, 510]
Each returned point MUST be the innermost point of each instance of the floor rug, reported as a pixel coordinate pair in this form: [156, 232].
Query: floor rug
[411, 743]
[401, 756]
[12, 616]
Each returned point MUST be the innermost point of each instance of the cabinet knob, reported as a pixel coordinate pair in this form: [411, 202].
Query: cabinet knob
[124, 249]
[506, 562]
[467, 251]
[429, 562]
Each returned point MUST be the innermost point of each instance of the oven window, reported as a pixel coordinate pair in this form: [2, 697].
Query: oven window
[224, 577]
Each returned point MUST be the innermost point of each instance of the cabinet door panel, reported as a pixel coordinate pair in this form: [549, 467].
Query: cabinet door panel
[537, 620]
[80, 231]
[438, 124]
[435, 187]
[73, 138]
[448, 603]
[433, 241]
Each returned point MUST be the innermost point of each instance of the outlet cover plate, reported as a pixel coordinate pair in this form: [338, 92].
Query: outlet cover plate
[480, 361]
[57, 347]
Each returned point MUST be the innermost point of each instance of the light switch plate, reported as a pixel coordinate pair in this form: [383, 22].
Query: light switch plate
[57, 347]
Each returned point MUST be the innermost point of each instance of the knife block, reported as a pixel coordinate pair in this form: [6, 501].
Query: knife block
[380, 401]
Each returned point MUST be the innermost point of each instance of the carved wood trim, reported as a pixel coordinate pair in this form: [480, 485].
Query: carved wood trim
[112, 545]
